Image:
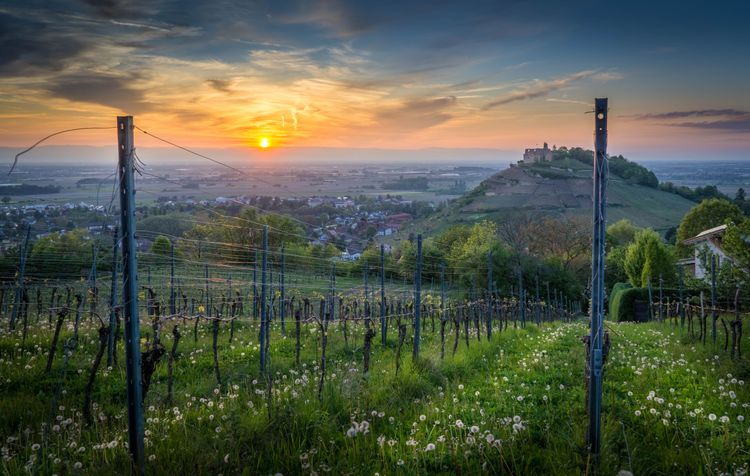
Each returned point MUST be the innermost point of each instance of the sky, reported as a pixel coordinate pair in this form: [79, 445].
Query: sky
[380, 74]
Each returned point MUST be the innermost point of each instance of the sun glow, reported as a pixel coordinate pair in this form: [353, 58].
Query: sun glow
[264, 143]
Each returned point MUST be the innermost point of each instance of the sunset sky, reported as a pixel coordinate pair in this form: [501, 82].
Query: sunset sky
[380, 74]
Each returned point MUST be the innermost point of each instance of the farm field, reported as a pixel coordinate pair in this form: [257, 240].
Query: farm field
[512, 404]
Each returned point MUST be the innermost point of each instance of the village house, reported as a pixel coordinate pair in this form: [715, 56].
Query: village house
[708, 242]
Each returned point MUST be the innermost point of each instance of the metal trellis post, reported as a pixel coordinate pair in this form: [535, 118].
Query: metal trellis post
[383, 329]
[597, 277]
[263, 290]
[130, 291]
[21, 284]
[417, 299]
[489, 294]
[282, 296]
[172, 295]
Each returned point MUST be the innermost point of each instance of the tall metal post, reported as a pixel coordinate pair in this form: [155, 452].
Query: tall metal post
[172, 295]
[332, 300]
[489, 294]
[92, 282]
[383, 329]
[263, 311]
[125, 168]
[282, 297]
[207, 308]
[417, 299]
[597, 276]
[21, 284]
[112, 300]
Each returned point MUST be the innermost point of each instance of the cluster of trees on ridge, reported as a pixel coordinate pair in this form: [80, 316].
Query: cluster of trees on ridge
[640, 175]
[618, 165]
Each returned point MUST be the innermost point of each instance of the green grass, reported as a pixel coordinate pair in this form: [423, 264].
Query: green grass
[465, 405]
[645, 206]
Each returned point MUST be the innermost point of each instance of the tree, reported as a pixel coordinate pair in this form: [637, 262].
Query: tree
[567, 238]
[648, 257]
[741, 201]
[515, 230]
[621, 232]
[707, 214]
[670, 236]
[7, 199]
[61, 256]
[161, 248]
[736, 242]
[614, 266]
[245, 233]
[174, 224]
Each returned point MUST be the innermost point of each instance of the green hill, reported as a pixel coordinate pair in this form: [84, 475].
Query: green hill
[561, 186]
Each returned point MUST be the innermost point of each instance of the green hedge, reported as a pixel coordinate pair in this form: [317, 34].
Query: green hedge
[623, 296]
[622, 301]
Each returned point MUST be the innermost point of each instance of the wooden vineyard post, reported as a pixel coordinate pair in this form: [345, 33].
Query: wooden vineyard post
[537, 309]
[650, 300]
[366, 302]
[125, 170]
[595, 364]
[661, 298]
[680, 272]
[714, 313]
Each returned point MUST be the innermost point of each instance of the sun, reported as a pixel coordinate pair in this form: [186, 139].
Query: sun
[264, 143]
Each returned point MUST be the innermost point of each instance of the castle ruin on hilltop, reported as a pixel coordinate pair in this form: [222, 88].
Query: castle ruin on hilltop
[533, 156]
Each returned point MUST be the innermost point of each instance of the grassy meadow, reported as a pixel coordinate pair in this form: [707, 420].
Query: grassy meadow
[514, 405]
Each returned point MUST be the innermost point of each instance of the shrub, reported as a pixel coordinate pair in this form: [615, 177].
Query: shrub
[623, 297]
[622, 301]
